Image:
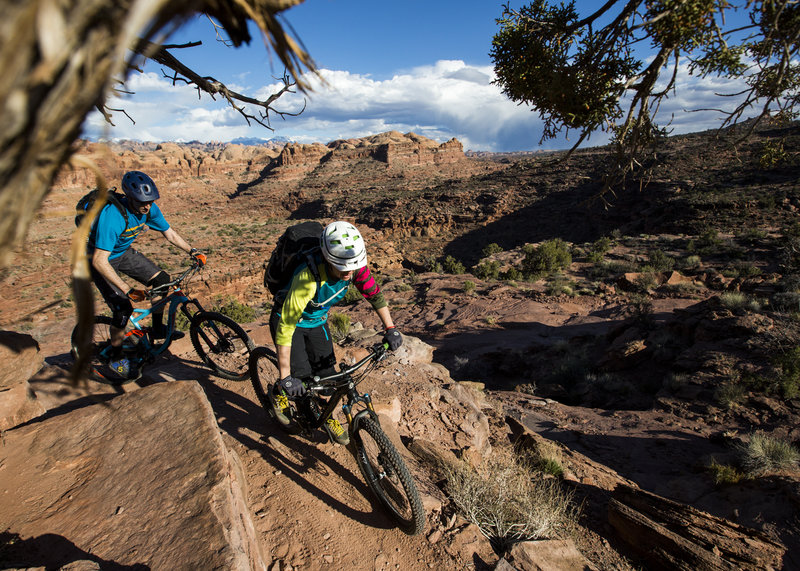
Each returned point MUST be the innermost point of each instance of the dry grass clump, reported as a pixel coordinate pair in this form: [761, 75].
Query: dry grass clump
[764, 454]
[509, 500]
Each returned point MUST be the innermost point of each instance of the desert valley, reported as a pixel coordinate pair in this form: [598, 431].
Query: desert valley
[643, 341]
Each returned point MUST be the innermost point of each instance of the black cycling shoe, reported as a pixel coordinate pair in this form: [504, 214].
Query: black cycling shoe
[161, 333]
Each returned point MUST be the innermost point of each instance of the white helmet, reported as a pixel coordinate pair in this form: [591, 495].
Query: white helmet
[343, 246]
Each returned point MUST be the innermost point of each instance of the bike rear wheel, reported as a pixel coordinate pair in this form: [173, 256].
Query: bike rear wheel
[222, 344]
[388, 477]
[263, 375]
[97, 366]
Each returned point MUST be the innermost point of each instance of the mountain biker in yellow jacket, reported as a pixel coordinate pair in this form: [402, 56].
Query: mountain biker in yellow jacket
[110, 241]
[299, 319]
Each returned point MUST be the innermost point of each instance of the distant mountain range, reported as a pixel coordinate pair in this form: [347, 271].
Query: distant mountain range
[257, 142]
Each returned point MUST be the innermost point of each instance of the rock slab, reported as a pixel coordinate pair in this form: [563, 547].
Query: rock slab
[142, 482]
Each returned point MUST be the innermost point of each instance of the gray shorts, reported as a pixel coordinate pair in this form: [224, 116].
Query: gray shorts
[134, 264]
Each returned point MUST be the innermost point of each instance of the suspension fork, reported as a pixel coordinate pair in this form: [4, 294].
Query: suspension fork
[353, 420]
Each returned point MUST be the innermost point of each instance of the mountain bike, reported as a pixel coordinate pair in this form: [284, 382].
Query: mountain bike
[220, 342]
[378, 460]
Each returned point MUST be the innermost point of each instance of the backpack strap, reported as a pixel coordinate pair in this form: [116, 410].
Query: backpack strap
[312, 267]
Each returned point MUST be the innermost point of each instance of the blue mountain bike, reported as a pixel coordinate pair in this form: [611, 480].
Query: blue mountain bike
[220, 342]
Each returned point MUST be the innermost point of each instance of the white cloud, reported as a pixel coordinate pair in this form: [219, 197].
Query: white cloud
[444, 100]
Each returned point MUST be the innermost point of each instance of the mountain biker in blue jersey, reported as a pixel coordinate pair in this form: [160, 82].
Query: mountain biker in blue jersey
[299, 319]
[110, 251]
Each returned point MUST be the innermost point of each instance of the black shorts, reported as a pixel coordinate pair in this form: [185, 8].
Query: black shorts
[133, 264]
[312, 349]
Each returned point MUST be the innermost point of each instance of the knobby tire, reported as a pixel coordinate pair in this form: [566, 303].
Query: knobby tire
[222, 344]
[387, 475]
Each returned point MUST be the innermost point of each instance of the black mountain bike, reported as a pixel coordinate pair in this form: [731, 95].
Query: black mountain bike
[220, 342]
[380, 463]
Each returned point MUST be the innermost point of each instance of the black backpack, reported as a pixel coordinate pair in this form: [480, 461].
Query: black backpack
[298, 244]
[87, 200]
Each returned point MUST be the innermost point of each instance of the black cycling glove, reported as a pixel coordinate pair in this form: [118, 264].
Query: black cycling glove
[292, 386]
[393, 338]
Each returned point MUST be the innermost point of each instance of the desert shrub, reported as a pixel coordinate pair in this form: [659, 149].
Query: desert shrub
[789, 379]
[433, 265]
[640, 307]
[786, 301]
[730, 394]
[352, 295]
[452, 266]
[509, 501]
[469, 286]
[550, 256]
[689, 262]
[751, 235]
[660, 261]
[547, 458]
[402, 286]
[724, 474]
[741, 269]
[339, 325]
[708, 242]
[493, 248]
[735, 300]
[234, 309]
[599, 249]
[487, 270]
[646, 280]
[560, 286]
[512, 274]
[763, 454]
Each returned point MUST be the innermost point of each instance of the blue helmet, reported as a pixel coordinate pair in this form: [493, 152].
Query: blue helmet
[139, 186]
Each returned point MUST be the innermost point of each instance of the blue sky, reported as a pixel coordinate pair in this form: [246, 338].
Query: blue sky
[405, 66]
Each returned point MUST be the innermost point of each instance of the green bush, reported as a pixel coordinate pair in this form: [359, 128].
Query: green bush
[452, 266]
[433, 265]
[599, 249]
[487, 270]
[512, 274]
[550, 256]
[660, 261]
[724, 474]
[469, 286]
[339, 325]
[491, 249]
[234, 309]
[352, 295]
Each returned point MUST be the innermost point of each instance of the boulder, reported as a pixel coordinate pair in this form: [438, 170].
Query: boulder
[21, 359]
[144, 480]
[548, 555]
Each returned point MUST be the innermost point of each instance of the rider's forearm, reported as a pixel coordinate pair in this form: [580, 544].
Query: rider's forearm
[175, 239]
[385, 316]
[284, 360]
[100, 263]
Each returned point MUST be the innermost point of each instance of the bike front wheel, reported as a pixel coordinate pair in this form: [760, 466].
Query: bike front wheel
[222, 344]
[388, 477]
[97, 363]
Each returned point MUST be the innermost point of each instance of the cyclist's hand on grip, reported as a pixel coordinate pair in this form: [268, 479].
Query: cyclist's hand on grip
[292, 386]
[136, 295]
[198, 256]
[393, 338]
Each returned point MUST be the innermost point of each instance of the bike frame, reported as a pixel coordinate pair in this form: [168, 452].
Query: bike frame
[345, 386]
[176, 299]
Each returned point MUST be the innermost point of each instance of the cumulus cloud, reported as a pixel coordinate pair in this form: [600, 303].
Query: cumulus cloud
[447, 99]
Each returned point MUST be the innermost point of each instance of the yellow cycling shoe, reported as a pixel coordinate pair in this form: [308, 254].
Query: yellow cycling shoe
[280, 406]
[336, 432]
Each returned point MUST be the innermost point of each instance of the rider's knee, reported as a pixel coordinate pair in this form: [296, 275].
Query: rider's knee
[158, 280]
[120, 312]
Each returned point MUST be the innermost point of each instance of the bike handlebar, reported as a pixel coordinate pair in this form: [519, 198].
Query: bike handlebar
[164, 288]
[377, 353]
